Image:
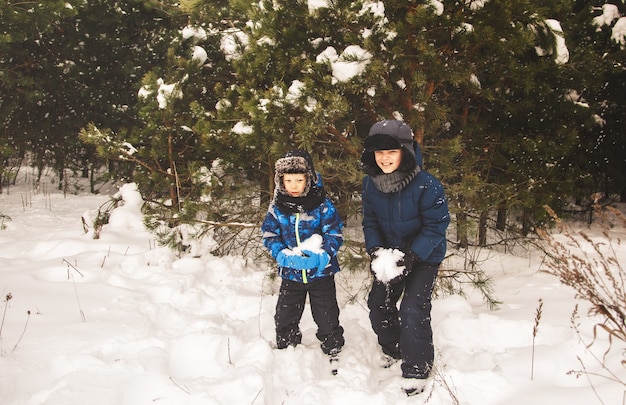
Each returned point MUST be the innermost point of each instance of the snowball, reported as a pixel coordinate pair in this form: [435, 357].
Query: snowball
[313, 244]
[384, 264]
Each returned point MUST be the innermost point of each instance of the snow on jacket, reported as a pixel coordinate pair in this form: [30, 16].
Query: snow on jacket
[284, 230]
[415, 217]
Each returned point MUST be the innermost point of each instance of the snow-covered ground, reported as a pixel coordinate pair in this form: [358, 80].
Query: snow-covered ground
[119, 320]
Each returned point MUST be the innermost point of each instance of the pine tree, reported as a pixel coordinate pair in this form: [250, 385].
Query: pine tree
[517, 125]
[483, 79]
[599, 54]
[174, 147]
[472, 71]
[83, 68]
[22, 24]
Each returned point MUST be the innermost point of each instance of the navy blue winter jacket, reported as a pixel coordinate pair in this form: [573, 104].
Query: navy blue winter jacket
[415, 217]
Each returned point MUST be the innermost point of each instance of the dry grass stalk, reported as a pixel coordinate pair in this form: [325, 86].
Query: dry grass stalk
[591, 267]
[23, 332]
[70, 276]
[4, 314]
[538, 313]
[444, 381]
[7, 298]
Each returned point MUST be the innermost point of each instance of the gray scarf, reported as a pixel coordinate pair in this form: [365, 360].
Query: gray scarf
[394, 182]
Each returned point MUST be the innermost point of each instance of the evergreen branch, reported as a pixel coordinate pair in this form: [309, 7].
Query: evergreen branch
[227, 224]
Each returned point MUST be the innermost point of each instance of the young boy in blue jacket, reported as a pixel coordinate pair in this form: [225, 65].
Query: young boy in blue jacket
[302, 231]
[404, 210]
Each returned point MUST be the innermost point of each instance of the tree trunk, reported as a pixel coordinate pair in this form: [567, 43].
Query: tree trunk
[173, 175]
[461, 231]
[92, 186]
[525, 222]
[501, 219]
[482, 229]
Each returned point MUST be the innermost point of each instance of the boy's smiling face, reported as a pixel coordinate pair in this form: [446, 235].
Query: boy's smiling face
[294, 183]
[388, 160]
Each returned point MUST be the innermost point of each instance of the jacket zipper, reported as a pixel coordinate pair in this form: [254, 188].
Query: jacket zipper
[304, 279]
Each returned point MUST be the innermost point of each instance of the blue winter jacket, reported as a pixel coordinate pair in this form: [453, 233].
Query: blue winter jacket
[415, 217]
[282, 230]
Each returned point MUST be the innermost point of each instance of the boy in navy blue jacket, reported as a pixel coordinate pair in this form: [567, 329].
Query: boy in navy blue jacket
[404, 211]
[302, 231]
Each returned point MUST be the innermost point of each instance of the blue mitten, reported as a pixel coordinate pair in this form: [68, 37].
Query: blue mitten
[287, 258]
[282, 258]
[322, 259]
[304, 262]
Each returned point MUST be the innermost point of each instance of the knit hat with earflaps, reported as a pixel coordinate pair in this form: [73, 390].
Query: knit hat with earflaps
[386, 135]
[297, 161]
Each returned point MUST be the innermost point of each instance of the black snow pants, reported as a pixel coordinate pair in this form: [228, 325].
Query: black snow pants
[324, 308]
[406, 333]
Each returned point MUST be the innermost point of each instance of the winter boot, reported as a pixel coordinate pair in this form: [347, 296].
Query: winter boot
[413, 386]
[294, 338]
[387, 361]
[333, 357]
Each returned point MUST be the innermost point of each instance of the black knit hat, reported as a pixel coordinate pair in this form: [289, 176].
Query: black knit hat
[386, 135]
[376, 142]
[295, 161]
